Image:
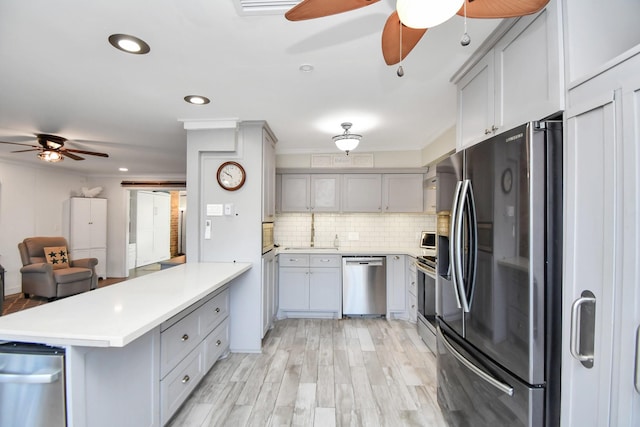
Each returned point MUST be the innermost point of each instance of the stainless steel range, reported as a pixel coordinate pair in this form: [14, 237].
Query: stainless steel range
[426, 269]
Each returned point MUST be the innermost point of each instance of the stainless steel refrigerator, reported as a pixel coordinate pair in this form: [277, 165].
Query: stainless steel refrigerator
[499, 280]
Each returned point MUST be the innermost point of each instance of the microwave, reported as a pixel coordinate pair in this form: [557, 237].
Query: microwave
[267, 237]
[428, 240]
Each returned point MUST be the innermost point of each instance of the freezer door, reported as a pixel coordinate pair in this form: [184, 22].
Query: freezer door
[472, 391]
[506, 317]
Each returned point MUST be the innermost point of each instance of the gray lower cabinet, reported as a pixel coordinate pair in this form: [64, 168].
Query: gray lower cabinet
[310, 285]
[190, 343]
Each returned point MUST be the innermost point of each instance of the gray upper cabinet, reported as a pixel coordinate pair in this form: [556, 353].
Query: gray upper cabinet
[403, 192]
[268, 178]
[361, 193]
[518, 80]
[310, 193]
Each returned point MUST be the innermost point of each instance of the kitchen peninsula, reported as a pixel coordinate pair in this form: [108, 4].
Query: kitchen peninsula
[136, 349]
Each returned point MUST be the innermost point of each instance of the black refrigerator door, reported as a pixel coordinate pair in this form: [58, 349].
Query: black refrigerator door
[474, 392]
[506, 316]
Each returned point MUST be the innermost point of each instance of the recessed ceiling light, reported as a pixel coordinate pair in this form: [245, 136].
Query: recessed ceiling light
[129, 44]
[123, 169]
[197, 99]
[306, 68]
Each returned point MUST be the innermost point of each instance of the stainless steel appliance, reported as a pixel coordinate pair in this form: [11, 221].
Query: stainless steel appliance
[499, 280]
[426, 321]
[428, 240]
[364, 286]
[267, 237]
[32, 385]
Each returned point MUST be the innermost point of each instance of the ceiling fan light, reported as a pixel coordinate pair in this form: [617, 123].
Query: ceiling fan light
[426, 13]
[50, 156]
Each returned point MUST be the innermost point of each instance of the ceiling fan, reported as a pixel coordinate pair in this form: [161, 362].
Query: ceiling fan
[51, 148]
[396, 33]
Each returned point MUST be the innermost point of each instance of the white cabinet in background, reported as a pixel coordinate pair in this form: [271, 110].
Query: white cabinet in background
[310, 193]
[153, 227]
[268, 178]
[518, 80]
[361, 193]
[396, 287]
[87, 230]
[310, 285]
[403, 192]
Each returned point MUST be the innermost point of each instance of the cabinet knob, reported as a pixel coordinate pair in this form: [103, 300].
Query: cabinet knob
[396, 257]
[185, 337]
[487, 131]
[185, 379]
[218, 342]
[494, 128]
[217, 309]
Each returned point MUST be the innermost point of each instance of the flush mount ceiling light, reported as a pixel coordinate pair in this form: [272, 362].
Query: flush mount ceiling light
[306, 68]
[50, 156]
[129, 44]
[197, 99]
[347, 141]
[426, 13]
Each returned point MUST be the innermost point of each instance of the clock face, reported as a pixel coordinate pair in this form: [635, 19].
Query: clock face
[231, 176]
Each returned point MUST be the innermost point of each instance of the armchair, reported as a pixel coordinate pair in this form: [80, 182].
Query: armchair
[40, 278]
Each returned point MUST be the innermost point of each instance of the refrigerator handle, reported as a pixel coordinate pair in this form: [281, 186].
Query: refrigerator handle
[637, 379]
[576, 321]
[473, 245]
[460, 285]
[503, 387]
[453, 250]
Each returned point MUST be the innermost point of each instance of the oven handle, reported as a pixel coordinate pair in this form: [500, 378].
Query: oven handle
[425, 270]
[503, 387]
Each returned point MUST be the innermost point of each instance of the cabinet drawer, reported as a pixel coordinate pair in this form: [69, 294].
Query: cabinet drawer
[325, 260]
[177, 341]
[294, 260]
[177, 386]
[213, 312]
[216, 344]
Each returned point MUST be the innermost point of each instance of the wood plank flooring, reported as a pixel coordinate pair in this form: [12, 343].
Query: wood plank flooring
[312, 372]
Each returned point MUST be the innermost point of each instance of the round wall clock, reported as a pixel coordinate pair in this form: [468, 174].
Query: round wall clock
[507, 180]
[231, 176]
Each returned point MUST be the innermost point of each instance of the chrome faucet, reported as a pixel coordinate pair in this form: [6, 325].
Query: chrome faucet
[313, 230]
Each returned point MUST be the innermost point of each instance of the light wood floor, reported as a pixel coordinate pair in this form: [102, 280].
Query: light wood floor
[351, 372]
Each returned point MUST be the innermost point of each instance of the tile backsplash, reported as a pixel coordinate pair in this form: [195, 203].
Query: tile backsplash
[354, 230]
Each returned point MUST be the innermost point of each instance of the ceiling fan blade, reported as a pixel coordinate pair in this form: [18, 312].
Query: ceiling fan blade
[310, 9]
[391, 39]
[501, 8]
[91, 153]
[66, 153]
[17, 143]
[24, 151]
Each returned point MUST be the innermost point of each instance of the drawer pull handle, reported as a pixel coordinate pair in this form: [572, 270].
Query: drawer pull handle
[185, 337]
[185, 379]
[218, 342]
[217, 309]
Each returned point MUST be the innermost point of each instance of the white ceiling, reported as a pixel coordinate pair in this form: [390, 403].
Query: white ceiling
[59, 75]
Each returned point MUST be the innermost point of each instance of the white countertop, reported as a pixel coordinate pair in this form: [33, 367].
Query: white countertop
[116, 315]
[411, 251]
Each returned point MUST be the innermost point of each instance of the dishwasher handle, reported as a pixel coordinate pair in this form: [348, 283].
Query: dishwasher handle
[39, 377]
[373, 262]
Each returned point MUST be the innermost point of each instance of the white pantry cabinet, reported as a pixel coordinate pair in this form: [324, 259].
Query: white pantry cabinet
[86, 230]
[518, 80]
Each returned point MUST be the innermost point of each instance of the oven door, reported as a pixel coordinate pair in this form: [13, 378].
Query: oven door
[426, 295]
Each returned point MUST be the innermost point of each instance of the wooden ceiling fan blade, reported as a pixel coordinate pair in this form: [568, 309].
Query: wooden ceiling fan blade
[501, 8]
[91, 153]
[18, 143]
[310, 9]
[391, 39]
[24, 151]
[66, 153]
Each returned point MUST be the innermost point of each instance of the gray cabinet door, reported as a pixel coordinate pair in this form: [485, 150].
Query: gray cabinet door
[325, 193]
[403, 192]
[295, 193]
[361, 193]
[294, 288]
[325, 287]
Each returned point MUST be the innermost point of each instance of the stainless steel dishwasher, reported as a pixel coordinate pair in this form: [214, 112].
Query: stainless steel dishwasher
[32, 385]
[364, 286]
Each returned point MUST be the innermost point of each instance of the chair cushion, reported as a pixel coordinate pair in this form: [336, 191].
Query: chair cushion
[71, 274]
[58, 256]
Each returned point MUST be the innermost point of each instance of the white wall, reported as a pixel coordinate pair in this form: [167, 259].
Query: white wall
[440, 147]
[31, 199]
